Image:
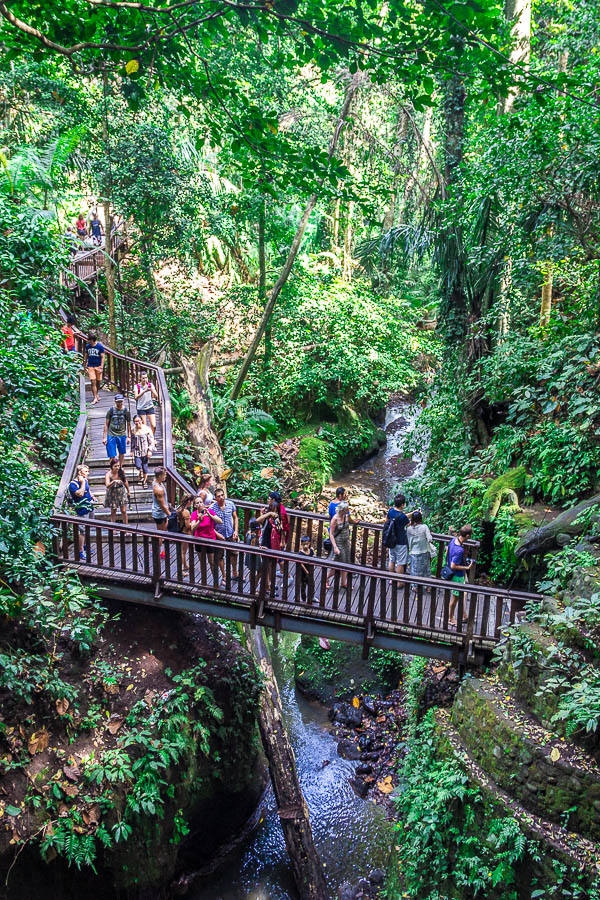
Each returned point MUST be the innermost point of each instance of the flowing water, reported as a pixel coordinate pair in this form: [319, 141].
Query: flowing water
[384, 472]
[352, 835]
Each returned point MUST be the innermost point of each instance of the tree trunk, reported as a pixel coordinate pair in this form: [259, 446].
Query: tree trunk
[347, 258]
[454, 309]
[424, 151]
[546, 304]
[262, 279]
[200, 429]
[519, 13]
[293, 251]
[109, 265]
[335, 236]
[291, 805]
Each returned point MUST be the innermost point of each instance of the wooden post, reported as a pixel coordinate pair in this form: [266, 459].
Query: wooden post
[291, 805]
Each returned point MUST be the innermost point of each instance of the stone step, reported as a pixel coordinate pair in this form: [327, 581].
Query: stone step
[546, 774]
[96, 461]
[571, 849]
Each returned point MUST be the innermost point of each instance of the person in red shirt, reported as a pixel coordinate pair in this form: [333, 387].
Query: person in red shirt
[81, 226]
[68, 343]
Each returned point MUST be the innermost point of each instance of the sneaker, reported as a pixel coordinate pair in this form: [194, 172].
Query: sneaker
[162, 554]
[82, 556]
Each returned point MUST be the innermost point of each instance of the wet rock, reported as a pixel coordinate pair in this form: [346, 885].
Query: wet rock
[346, 891]
[377, 876]
[369, 706]
[345, 714]
[369, 755]
[348, 749]
[360, 786]
[364, 769]
[365, 742]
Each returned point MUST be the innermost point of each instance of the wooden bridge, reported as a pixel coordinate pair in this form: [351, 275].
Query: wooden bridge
[398, 612]
[86, 264]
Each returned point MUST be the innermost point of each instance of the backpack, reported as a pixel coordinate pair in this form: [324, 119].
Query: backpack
[173, 522]
[389, 537]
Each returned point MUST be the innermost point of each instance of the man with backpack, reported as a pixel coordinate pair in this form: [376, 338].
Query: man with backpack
[117, 429]
[395, 537]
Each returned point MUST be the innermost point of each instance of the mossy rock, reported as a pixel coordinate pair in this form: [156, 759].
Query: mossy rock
[524, 669]
[314, 456]
[341, 672]
[505, 487]
[517, 755]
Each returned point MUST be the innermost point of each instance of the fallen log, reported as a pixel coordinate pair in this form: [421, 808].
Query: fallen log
[561, 530]
[291, 805]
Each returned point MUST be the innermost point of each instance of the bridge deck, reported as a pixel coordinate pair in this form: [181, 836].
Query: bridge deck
[138, 563]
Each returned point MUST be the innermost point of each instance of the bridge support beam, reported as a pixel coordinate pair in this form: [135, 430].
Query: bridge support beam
[352, 634]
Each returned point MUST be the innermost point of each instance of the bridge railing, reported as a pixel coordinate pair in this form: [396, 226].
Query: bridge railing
[373, 599]
[85, 266]
[366, 542]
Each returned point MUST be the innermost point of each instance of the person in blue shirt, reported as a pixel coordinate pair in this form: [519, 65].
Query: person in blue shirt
[460, 565]
[398, 555]
[340, 494]
[82, 499]
[94, 360]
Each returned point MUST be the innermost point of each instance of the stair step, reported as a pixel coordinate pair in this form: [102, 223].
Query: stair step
[575, 849]
[101, 462]
[507, 741]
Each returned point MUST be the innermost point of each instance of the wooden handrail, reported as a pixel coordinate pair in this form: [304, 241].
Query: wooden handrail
[380, 598]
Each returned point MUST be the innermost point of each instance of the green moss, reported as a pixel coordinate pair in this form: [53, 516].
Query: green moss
[315, 457]
[505, 487]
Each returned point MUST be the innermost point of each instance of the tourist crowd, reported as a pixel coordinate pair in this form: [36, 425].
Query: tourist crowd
[211, 515]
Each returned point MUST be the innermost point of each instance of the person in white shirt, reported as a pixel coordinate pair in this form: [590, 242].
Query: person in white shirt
[421, 548]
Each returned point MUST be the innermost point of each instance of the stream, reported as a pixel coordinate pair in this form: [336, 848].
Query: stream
[352, 835]
[384, 472]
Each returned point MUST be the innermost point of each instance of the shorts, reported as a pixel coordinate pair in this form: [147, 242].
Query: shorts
[460, 579]
[82, 513]
[94, 373]
[116, 442]
[159, 521]
[398, 555]
[141, 463]
[149, 411]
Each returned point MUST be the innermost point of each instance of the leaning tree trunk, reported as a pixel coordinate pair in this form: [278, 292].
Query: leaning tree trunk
[109, 265]
[295, 247]
[291, 805]
[200, 429]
